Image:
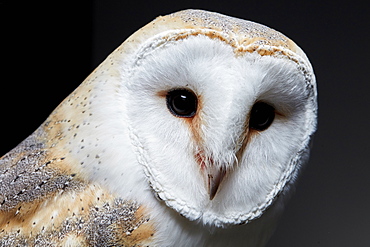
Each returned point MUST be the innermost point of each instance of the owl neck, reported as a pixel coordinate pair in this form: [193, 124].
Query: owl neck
[174, 229]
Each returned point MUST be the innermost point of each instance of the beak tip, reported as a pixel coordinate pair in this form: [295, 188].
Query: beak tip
[212, 192]
[212, 195]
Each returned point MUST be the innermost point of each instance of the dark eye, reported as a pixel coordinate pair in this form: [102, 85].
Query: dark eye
[182, 102]
[261, 117]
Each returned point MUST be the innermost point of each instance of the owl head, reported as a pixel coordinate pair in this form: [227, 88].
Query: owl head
[219, 113]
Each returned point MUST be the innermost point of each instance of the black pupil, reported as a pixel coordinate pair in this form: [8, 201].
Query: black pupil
[262, 115]
[182, 103]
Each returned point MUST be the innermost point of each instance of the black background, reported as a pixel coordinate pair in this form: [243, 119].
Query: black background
[48, 48]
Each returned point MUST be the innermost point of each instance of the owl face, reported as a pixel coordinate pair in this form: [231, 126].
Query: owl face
[220, 131]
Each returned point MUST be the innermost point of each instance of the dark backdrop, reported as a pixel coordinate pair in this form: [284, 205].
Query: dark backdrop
[48, 49]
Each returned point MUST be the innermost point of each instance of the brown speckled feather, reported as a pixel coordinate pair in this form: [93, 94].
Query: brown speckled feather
[43, 202]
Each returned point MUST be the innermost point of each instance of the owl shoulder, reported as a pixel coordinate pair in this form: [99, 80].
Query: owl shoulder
[44, 201]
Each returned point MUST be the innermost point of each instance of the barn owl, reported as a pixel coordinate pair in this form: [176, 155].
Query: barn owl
[191, 133]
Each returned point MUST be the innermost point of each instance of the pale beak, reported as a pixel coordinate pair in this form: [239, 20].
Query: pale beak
[214, 179]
